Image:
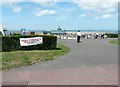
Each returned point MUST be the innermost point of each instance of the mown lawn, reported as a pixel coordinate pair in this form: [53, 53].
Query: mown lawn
[117, 42]
[16, 59]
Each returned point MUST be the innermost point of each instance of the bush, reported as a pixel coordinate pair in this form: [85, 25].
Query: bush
[11, 43]
[112, 35]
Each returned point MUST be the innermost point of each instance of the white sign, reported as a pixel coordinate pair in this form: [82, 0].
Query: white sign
[31, 41]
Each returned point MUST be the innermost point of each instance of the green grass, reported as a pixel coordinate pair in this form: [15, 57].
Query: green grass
[117, 42]
[16, 59]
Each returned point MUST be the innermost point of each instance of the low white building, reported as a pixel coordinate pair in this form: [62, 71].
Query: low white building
[2, 31]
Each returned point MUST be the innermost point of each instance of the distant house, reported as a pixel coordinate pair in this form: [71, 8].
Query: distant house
[30, 33]
[4, 32]
[59, 31]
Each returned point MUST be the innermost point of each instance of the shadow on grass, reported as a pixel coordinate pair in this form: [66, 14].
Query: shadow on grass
[33, 50]
[57, 48]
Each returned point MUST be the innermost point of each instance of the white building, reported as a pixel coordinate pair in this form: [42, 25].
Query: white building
[2, 31]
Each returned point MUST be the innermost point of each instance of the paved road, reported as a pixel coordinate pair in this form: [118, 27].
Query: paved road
[92, 62]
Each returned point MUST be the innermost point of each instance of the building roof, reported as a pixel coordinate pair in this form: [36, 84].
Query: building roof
[59, 28]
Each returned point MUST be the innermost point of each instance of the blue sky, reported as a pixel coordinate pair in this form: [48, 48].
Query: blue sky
[34, 15]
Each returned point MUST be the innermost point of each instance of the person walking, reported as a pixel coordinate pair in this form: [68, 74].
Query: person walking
[78, 36]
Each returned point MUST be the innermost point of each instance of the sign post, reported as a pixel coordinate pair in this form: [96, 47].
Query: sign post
[31, 41]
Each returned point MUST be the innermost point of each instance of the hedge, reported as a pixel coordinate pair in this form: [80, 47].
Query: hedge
[112, 35]
[12, 43]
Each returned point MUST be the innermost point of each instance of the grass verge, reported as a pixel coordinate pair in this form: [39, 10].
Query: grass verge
[16, 59]
[117, 42]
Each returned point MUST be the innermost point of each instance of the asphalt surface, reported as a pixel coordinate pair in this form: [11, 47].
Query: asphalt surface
[92, 62]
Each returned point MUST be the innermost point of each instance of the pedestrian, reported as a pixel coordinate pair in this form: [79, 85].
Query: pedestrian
[102, 36]
[96, 36]
[78, 36]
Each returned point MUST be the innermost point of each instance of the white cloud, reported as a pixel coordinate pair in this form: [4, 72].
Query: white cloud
[97, 5]
[16, 9]
[95, 0]
[83, 15]
[7, 2]
[45, 2]
[45, 12]
[105, 16]
[52, 12]
[12, 5]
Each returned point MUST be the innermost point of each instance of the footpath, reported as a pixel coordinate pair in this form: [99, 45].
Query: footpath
[92, 62]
